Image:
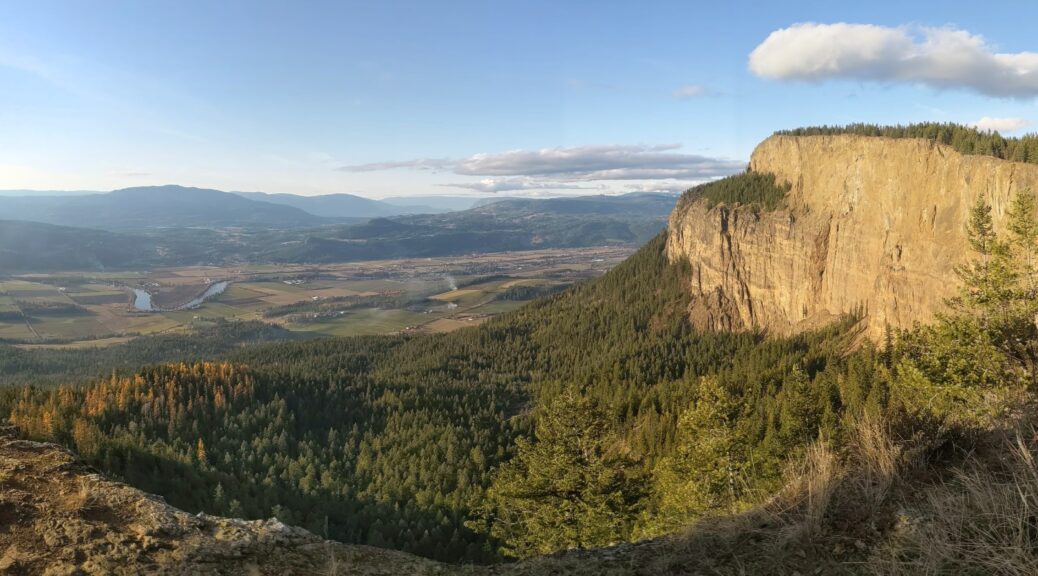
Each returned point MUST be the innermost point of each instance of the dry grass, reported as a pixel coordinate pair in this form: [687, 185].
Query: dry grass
[80, 500]
[984, 520]
[879, 461]
[808, 495]
[832, 509]
[891, 508]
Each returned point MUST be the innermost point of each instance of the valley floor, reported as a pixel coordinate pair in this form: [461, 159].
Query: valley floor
[86, 309]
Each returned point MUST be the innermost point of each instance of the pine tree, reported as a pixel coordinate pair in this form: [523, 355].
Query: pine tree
[575, 486]
[1023, 229]
[989, 279]
[1020, 331]
[708, 468]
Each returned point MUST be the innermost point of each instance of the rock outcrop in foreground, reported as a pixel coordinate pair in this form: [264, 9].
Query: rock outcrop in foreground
[59, 517]
[872, 224]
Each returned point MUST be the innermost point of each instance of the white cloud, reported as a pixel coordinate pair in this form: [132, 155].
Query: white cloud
[494, 185]
[416, 164]
[575, 168]
[1000, 124]
[689, 91]
[603, 162]
[663, 186]
[941, 58]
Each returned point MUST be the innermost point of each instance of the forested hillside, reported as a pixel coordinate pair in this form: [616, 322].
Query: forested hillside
[36, 246]
[48, 367]
[521, 224]
[592, 417]
[392, 441]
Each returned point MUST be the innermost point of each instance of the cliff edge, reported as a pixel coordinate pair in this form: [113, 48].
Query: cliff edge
[57, 516]
[60, 517]
[870, 224]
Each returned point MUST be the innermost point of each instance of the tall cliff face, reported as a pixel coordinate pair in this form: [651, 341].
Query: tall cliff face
[875, 224]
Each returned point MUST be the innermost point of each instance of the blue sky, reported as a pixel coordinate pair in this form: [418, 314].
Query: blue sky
[524, 97]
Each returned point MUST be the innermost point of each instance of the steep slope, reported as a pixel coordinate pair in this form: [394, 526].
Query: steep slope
[60, 517]
[412, 415]
[870, 223]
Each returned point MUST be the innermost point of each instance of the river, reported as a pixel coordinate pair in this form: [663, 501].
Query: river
[142, 298]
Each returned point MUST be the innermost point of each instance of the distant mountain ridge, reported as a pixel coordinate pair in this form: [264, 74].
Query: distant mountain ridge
[174, 226]
[172, 205]
[155, 207]
[651, 204]
[338, 205]
[438, 203]
[504, 226]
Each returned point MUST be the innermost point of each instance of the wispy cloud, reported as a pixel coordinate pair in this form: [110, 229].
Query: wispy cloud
[416, 164]
[941, 58]
[1000, 124]
[663, 186]
[604, 162]
[494, 185]
[24, 63]
[566, 168]
[690, 91]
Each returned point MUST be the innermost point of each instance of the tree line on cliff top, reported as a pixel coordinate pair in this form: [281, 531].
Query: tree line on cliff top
[964, 139]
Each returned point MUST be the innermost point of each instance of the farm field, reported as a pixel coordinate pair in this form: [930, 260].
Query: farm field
[83, 309]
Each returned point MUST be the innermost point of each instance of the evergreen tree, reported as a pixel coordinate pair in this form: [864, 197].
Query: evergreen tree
[575, 486]
[964, 139]
[988, 280]
[1023, 230]
[405, 432]
[707, 471]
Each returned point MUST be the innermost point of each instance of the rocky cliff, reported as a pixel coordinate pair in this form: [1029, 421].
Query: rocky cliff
[871, 224]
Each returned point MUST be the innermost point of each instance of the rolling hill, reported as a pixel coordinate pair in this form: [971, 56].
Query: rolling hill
[156, 207]
[40, 247]
[338, 205]
[514, 224]
[139, 230]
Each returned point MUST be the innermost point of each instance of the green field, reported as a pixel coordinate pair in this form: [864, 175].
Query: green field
[7, 304]
[365, 322]
[83, 309]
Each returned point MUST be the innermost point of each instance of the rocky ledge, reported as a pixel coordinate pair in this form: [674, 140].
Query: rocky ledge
[58, 516]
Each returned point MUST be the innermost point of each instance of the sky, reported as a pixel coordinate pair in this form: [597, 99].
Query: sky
[455, 97]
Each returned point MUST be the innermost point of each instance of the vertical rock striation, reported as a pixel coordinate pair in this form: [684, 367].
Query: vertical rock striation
[872, 224]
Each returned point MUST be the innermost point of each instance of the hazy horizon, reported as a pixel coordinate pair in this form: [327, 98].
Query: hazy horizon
[417, 198]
